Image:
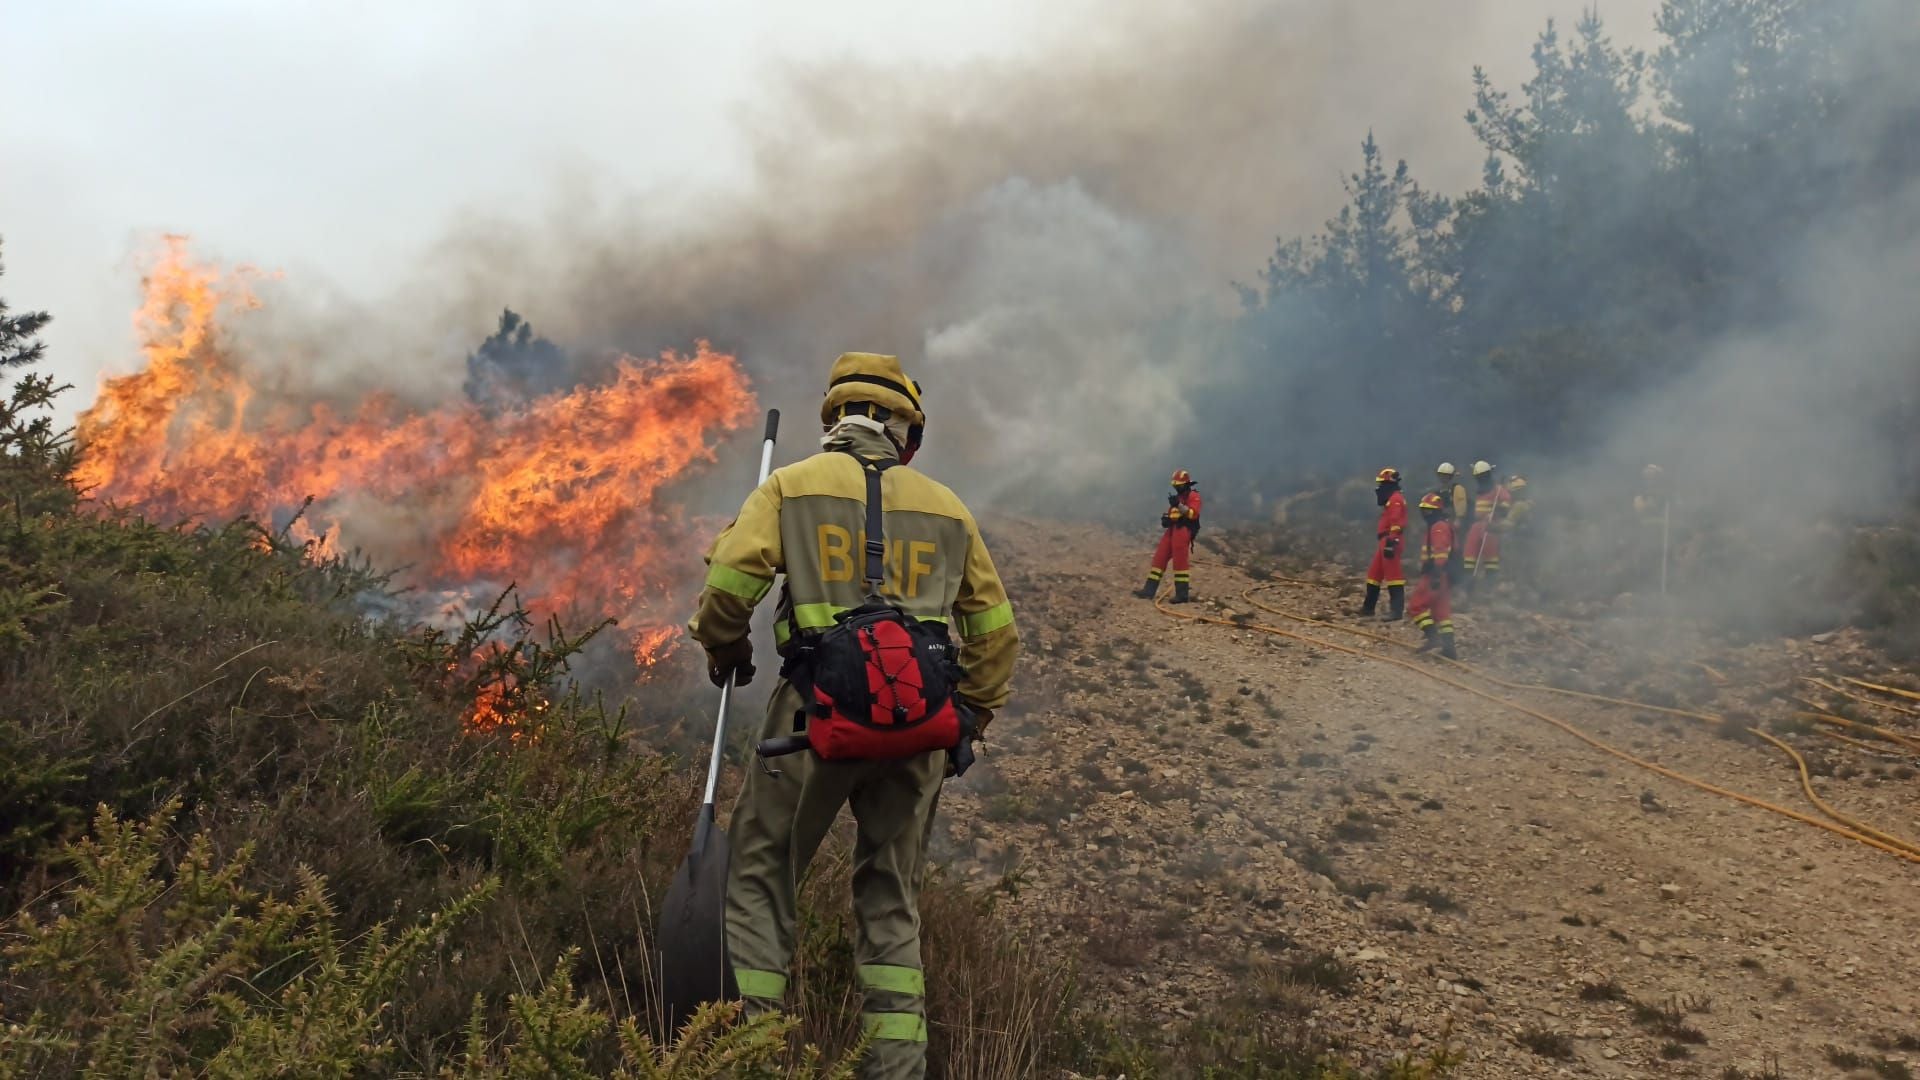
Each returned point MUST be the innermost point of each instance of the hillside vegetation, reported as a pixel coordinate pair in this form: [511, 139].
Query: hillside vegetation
[247, 831]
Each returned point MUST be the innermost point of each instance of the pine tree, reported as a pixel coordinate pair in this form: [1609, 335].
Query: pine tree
[19, 334]
[35, 456]
[514, 364]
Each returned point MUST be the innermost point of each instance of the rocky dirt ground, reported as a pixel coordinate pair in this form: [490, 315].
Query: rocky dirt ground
[1210, 814]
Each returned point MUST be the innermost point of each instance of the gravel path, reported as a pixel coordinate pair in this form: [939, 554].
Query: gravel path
[1202, 811]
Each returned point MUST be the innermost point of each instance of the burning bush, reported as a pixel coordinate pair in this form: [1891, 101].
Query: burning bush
[561, 491]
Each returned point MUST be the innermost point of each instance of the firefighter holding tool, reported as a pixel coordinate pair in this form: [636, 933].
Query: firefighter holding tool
[1492, 504]
[1385, 570]
[1433, 595]
[898, 644]
[1179, 526]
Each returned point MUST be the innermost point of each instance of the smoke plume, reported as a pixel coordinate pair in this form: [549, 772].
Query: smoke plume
[1049, 242]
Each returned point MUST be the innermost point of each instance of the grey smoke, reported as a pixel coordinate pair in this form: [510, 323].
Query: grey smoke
[1050, 242]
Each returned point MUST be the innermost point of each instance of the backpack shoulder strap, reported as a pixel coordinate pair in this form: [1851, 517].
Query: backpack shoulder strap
[876, 522]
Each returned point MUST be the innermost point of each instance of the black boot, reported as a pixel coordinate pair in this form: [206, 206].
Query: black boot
[1145, 592]
[1396, 603]
[1432, 639]
[1446, 646]
[1180, 593]
[1373, 600]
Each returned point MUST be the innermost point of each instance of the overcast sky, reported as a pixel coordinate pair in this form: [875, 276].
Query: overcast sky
[339, 138]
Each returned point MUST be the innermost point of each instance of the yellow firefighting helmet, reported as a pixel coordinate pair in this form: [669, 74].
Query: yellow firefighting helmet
[875, 381]
[1432, 501]
[1482, 468]
[1182, 478]
[1446, 471]
[1388, 476]
[1516, 484]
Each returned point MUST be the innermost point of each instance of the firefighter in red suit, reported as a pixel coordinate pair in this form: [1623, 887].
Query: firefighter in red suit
[1180, 524]
[1386, 569]
[1433, 596]
[1492, 507]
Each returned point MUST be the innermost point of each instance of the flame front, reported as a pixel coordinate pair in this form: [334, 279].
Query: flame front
[560, 494]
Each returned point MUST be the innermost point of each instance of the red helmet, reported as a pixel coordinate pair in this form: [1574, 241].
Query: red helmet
[1388, 475]
[1182, 478]
[1432, 501]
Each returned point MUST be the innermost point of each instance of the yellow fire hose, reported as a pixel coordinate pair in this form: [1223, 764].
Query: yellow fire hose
[1858, 744]
[1855, 725]
[1894, 690]
[1841, 825]
[1861, 698]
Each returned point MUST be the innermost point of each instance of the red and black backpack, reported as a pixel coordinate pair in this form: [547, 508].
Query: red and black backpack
[879, 684]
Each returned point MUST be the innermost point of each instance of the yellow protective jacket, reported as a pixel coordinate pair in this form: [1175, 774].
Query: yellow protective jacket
[1463, 504]
[1519, 512]
[808, 521]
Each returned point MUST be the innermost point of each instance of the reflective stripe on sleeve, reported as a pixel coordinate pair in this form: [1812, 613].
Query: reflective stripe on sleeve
[986, 622]
[737, 583]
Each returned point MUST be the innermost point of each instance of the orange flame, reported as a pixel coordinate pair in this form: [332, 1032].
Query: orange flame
[562, 495]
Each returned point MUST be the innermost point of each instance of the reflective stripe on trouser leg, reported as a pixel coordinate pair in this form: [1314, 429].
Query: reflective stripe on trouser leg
[777, 825]
[1163, 553]
[1422, 606]
[776, 828]
[893, 811]
[1385, 571]
[885, 982]
[760, 878]
[902, 1027]
[1156, 574]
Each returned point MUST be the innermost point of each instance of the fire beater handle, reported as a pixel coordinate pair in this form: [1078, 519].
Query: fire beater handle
[726, 692]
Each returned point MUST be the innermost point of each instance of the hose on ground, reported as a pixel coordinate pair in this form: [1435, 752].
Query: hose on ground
[1839, 826]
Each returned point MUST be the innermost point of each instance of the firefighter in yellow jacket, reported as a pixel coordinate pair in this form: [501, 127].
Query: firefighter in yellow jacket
[808, 522]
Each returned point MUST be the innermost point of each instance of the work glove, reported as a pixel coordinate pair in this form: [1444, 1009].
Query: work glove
[1167, 521]
[1393, 546]
[1173, 500]
[734, 659]
[973, 723]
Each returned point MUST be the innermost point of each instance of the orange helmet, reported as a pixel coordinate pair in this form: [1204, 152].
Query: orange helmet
[1432, 501]
[1516, 483]
[1182, 478]
[1388, 475]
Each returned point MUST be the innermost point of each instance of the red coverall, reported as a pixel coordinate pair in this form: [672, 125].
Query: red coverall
[1433, 596]
[1176, 544]
[1387, 570]
[1483, 543]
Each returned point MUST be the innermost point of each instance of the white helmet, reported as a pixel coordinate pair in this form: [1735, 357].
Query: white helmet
[1446, 469]
[1481, 468]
